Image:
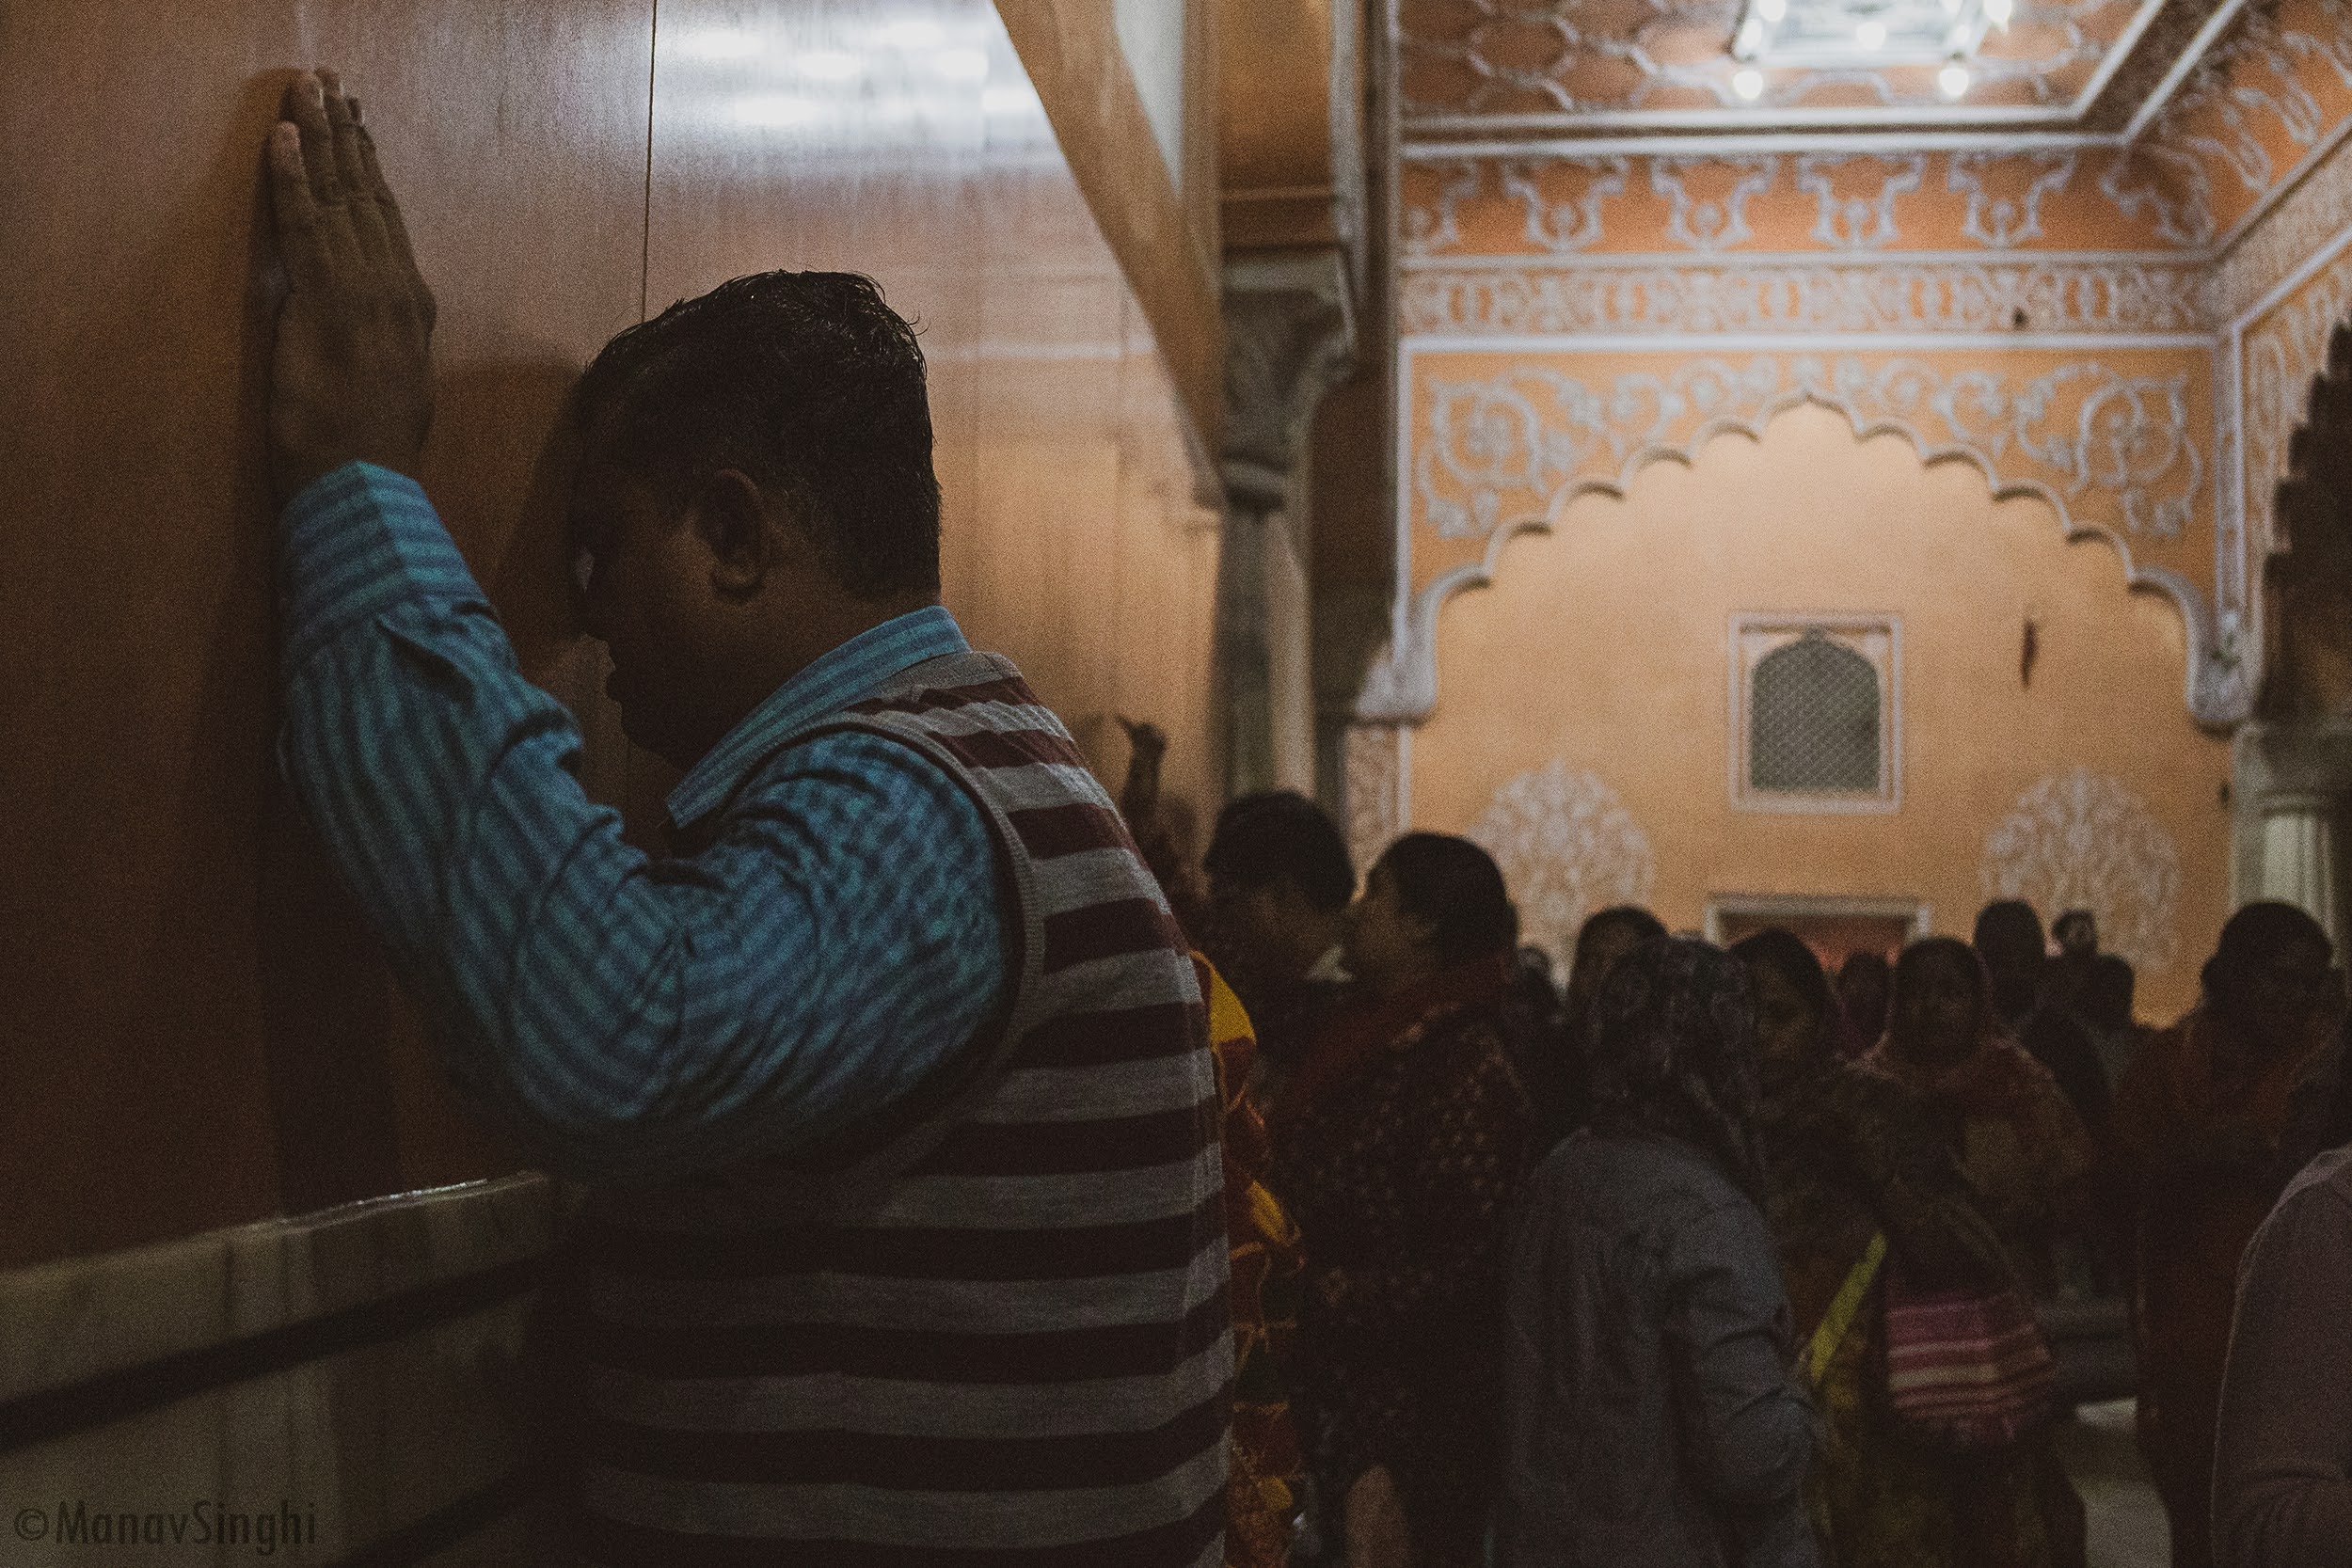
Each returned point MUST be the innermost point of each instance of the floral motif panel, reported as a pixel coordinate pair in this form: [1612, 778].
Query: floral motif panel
[2086, 841]
[2118, 439]
[1565, 204]
[1568, 848]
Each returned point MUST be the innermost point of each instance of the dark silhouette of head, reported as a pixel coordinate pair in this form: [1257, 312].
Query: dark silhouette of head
[2016, 958]
[1942, 1002]
[1432, 901]
[1793, 1001]
[2271, 974]
[1279, 882]
[1605, 937]
[1866, 983]
[2076, 932]
[755, 487]
[1673, 1047]
[2107, 999]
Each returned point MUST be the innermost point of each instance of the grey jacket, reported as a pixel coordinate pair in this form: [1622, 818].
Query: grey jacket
[2282, 1472]
[1654, 1418]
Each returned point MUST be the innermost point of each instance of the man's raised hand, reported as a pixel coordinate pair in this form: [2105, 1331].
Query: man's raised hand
[351, 377]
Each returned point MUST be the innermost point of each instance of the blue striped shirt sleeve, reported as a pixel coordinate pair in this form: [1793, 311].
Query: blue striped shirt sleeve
[636, 1018]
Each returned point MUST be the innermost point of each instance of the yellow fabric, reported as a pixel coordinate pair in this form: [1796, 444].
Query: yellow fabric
[1266, 1253]
[1839, 1319]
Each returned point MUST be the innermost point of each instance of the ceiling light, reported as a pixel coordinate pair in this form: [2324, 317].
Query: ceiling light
[1022, 100]
[962, 65]
[1997, 12]
[720, 43]
[1772, 10]
[1871, 34]
[1748, 84]
[1751, 39]
[1953, 79]
[774, 109]
[829, 65]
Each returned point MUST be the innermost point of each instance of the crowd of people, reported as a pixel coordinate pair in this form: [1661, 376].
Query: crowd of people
[916, 1226]
[1709, 1256]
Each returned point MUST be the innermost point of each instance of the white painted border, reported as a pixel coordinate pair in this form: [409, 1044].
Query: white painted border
[1890, 714]
[1802, 905]
[1820, 343]
[2191, 57]
[1791, 261]
[1734, 144]
[2309, 268]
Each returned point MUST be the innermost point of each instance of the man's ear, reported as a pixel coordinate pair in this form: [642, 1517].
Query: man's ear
[729, 513]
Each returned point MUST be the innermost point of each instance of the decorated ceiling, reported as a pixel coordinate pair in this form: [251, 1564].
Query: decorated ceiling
[1596, 66]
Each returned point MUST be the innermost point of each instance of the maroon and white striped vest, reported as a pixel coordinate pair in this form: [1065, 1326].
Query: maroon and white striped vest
[997, 1333]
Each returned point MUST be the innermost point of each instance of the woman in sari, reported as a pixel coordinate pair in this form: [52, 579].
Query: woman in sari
[1400, 1145]
[2016, 1136]
[1859, 1189]
[2028, 1159]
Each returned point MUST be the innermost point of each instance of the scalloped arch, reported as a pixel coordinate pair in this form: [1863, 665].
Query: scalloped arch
[1402, 686]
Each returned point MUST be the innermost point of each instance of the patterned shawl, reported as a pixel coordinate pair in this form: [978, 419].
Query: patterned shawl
[1673, 1048]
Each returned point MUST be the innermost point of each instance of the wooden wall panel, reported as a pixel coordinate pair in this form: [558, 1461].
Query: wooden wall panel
[194, 1027]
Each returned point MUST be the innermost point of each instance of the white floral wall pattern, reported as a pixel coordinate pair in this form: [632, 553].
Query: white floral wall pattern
[1567, 846]
[2117, 448]
[2084, 840]
[1374, 760]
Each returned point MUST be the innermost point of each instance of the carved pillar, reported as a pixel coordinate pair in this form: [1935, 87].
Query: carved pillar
[2298, 855]
[2289, 791]
[1289, 337]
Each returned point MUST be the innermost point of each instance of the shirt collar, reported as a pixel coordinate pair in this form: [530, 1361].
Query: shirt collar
[848, 673]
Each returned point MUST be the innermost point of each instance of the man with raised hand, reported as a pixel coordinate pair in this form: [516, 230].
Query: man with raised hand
[904, 1242]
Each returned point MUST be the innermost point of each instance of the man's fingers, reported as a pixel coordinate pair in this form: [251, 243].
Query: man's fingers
[367, 223]
[306, 106]
[299, 239]
[402, 258]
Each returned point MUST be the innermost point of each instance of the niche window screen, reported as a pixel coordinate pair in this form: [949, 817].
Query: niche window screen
[1814, 713]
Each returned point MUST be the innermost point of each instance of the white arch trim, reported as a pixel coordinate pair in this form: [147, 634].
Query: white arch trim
[1401, 687]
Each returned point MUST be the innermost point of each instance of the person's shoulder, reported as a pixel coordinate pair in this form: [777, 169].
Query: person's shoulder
[1642, 1179]
[2326, 1183]
[2312, 1220]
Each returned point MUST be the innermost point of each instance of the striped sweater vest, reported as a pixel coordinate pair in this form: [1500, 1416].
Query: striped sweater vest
[998, 1333]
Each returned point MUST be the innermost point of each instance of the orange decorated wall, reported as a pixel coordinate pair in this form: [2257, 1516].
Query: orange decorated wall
[1584, 728]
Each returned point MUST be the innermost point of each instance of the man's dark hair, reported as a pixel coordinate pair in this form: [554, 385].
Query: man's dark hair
[1277, 835]
[2252, 938]
[807, 382]
[1457, 889]
[1862, 962]
[2006, 929]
